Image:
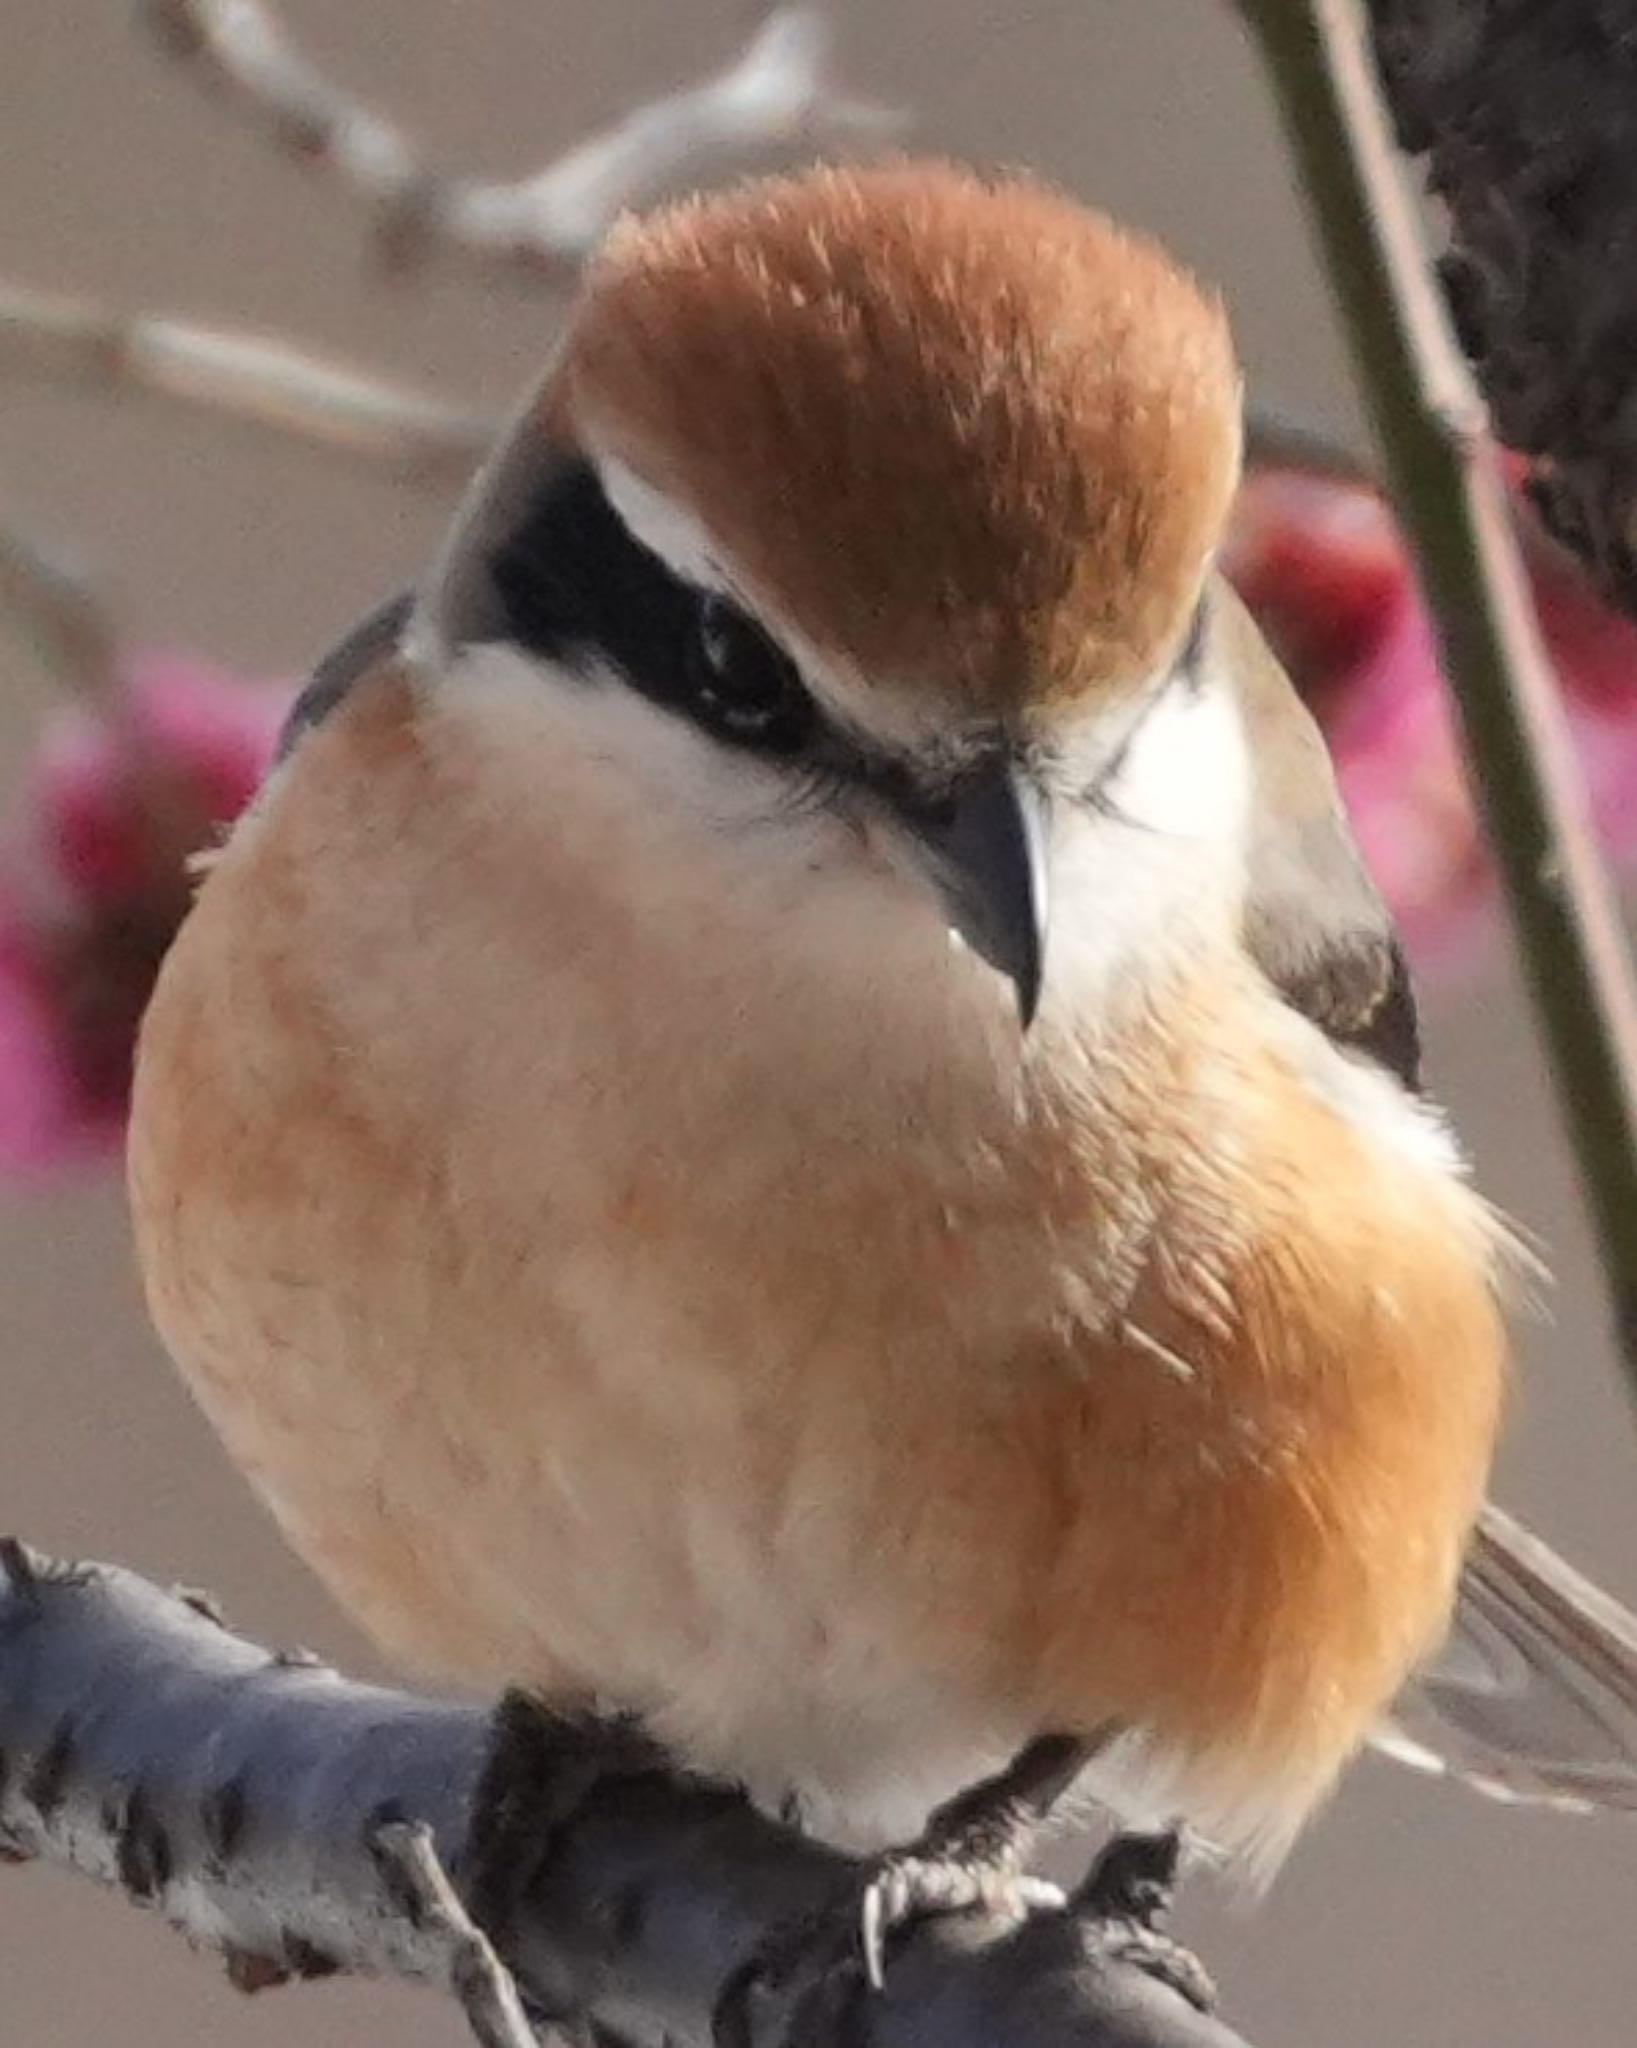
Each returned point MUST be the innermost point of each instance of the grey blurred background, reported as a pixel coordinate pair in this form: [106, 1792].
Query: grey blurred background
[1412, 1914]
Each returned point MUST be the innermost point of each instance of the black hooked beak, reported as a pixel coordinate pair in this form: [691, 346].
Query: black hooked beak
[988, 843]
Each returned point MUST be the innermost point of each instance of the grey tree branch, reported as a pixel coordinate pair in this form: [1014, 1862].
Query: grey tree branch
[255, 378]
[1447, 489]
[298, 1824]
[776, 94]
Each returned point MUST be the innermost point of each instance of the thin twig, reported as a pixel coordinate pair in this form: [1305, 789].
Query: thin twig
[1277, 440]
[263, 382]
[1448, 490]
[61, 615]
[58, 611]
[478, 1980]
[775, 95]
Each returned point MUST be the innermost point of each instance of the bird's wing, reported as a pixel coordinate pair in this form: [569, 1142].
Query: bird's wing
[1534, 1696]
[1314, 923]
[374, 637]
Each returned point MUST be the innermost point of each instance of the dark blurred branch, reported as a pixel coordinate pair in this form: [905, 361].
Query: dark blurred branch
[271, 1810]
[1527, 116]
[249, 377]
[1447, 488]
[776, 94]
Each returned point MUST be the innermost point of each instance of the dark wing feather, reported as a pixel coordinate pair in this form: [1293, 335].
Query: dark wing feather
[1314, 922]
[1534, 1696]
[374, 637]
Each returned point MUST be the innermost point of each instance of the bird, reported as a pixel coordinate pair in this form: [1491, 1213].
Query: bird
[793, 1115]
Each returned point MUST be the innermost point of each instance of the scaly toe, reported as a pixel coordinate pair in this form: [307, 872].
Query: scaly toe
[908, 1889]
[836, 1947]
[1158, 1955]
[1123, 1902]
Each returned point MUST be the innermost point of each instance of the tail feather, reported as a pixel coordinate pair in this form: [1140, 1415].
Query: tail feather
[1534, 1697]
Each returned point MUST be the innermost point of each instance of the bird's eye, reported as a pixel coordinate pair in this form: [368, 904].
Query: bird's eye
[745, 688]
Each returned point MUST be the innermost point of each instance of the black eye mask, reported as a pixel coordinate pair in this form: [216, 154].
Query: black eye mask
[572, 584]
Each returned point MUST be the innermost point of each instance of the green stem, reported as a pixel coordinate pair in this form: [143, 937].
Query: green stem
[1450, 497]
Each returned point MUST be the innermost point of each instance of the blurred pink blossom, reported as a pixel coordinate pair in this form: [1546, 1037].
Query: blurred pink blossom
[93, 883]
[1320, 563]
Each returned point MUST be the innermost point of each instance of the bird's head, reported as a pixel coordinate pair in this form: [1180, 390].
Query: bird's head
[896, 481]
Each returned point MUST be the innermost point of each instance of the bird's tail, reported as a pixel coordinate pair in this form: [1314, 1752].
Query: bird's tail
[1534, 1697]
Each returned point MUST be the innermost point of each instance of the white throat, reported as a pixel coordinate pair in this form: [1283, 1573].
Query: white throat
[1152, 866]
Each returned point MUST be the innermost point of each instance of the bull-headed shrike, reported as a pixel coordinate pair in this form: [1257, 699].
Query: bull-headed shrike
[793, 1113]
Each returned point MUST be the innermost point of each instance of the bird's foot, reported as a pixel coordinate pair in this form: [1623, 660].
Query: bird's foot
[824, 1961]
[905, 1890]
[970, 1859]
[1124, 1901]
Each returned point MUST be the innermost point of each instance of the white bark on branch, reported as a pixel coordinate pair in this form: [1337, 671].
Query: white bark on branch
[257, 379]
[777, 94]
[298, 1824]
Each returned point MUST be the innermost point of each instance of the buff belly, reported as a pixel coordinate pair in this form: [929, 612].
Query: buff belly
[667, 1383]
